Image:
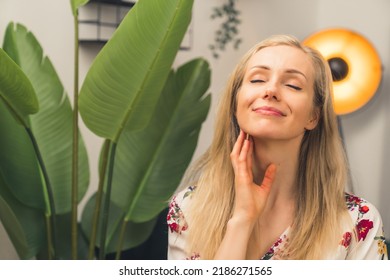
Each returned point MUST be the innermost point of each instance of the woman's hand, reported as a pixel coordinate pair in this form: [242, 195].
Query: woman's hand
[250, 198]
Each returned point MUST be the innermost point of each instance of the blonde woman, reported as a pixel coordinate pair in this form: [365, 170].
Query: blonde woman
[272, 184]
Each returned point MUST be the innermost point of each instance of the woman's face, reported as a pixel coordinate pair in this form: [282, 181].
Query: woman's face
[275, 100]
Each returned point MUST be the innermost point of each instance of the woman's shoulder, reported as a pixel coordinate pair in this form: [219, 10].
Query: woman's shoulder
[360, 209]
[177, 207]
[368, 228]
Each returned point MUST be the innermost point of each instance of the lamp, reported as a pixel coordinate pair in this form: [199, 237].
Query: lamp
[355, 65]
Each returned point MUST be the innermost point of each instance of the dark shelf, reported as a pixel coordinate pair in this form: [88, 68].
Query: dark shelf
[114, 2]
[101, 23]
[93, 41]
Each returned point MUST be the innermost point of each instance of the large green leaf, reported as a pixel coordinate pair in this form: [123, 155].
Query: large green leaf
[123, 84]
[18, 163]
[16, 90]
[25, 226]
[76, 4]
[136, 233]
[150, 163]
[52, 126]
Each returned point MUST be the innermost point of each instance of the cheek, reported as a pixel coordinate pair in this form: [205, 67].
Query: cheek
[305, 113]
[303, 106]
[244, 98]
[243, 116]
[242, 103]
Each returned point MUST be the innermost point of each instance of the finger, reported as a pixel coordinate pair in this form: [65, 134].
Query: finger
[243, 172]
[249, 157]
[268, 177]
[237, 146]
[245, 148]
[234, 155]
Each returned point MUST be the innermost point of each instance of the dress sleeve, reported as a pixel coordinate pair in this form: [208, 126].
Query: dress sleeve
[370, 240]
[177, 224]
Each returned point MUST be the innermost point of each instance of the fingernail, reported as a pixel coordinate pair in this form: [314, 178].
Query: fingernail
[247, 136]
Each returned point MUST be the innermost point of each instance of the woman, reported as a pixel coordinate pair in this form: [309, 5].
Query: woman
[272, 184]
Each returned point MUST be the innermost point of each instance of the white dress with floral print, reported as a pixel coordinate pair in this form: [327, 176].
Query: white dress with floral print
[370, 243]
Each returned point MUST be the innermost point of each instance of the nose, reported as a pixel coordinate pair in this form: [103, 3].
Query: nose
[271, 92]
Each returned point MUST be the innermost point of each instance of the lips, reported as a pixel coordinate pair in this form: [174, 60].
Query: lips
[267, 110]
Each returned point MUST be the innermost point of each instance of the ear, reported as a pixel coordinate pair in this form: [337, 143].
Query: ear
[313, 120]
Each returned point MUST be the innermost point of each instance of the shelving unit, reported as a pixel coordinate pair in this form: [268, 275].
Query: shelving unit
[99, 19]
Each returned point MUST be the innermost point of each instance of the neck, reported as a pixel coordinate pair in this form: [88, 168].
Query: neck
[285, 155]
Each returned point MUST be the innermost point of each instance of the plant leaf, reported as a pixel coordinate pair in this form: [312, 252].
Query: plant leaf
[150, 163]
[25, 226]
[16, 90]
[18, 162]
[123, 84]
[52, 126]
[76, 4]
[136, 233]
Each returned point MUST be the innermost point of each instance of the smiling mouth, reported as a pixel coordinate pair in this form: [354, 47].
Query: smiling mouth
[269, 111]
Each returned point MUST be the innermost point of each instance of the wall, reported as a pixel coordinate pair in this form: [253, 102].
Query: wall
[366, 130]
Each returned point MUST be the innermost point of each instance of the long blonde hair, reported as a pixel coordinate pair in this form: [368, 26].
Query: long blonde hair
[321, 176]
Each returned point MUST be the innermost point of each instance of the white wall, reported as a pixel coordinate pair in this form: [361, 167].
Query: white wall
[366, 130]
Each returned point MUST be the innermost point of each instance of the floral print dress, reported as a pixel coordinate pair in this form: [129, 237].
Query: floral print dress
[368, 244]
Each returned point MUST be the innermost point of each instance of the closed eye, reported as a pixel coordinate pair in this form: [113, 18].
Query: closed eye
[257, 81]
[294, 87]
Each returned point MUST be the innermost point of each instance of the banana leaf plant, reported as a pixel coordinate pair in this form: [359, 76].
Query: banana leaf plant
[35, 162]
[149, 114]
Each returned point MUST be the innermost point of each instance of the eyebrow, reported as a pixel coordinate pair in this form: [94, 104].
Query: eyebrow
[290, 71]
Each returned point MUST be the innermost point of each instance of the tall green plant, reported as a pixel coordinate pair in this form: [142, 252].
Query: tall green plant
[126, 98]
[40, 175]
[75, 4]
[150, 162]
[18, 99]
[129, 74]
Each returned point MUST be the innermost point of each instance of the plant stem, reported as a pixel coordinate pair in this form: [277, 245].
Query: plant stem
[75, 140]
[121, 239]
[49, 237]
[99, 196]
[51, 223]
[106, 205]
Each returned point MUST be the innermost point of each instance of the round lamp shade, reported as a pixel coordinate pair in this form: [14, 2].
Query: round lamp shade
[355, 65]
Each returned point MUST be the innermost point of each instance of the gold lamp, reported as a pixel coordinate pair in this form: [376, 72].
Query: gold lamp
[355, 65]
